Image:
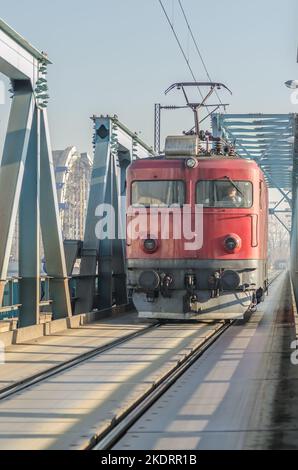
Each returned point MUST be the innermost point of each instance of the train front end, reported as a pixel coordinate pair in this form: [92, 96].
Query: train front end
[196, 234]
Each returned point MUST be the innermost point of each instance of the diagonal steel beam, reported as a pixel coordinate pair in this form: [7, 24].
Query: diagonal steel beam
[230, 134]
[12, 171]
[29, 239]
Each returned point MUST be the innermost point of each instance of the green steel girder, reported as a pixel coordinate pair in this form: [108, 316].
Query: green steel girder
[27, 184]
[265, 138]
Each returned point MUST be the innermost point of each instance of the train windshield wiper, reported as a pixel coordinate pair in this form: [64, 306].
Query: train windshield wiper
[235, 185]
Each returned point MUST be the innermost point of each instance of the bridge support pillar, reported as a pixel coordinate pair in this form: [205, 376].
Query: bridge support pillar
[101, 281]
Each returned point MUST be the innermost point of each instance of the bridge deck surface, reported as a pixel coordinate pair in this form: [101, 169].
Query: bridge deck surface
[35, 356]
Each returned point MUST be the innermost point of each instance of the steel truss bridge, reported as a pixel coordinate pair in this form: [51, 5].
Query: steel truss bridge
[27, 188]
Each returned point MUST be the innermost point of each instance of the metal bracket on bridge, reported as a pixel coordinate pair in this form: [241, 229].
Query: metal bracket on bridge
[27, 182]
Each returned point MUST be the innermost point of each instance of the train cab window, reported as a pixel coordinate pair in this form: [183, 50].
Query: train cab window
[224, 193]
[159, 193]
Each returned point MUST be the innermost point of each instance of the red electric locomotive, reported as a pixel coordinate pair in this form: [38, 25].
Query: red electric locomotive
[196, 231]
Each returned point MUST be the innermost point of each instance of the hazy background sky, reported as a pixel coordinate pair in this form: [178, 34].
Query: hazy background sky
[119, 56]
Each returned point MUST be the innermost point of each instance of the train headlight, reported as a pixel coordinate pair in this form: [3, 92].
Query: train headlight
[150, 245]
[191, 163]
[232, 243]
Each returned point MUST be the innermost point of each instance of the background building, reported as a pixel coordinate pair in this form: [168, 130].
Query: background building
[73, 173]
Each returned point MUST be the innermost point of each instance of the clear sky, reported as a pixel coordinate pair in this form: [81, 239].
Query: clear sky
[118, 57]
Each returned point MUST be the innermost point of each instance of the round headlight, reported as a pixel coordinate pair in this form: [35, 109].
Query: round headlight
[231, 243]
[150, 245]
[191, 163]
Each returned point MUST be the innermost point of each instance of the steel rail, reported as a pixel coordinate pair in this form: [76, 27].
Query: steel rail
[35, 379]
[122, 424]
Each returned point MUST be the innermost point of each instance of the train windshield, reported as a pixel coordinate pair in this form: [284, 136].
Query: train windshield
[157, 193]
[227, 193]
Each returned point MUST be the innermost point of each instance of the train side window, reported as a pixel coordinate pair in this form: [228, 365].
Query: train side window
[158, 193]
[224, 193]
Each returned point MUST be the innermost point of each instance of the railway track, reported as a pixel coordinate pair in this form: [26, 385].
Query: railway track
[48, 373]
[120, 426]
[103, 438]
[160, 376]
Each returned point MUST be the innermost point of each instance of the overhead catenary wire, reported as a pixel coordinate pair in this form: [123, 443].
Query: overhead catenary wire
[180, 45]
[196, 45]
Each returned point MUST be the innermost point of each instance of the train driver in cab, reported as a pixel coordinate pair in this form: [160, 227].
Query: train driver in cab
[233, 197]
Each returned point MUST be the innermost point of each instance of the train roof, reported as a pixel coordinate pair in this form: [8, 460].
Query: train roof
[210, 162]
